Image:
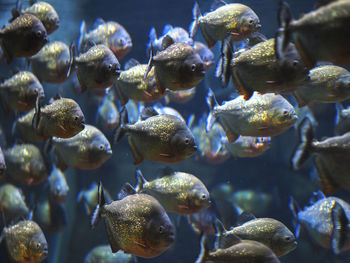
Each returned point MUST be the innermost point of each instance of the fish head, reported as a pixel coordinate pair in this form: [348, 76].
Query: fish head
[39, 33]
[38, 246]
[249, 23]
[110, 67]
[120, 43]
[35, 90]
[183, 142]
[160, 231]
[53, 22]
[342, 85]
[283, 241]
[193, 66]
[282, 113]
[102, 150]
[200, 197]
[76, 120]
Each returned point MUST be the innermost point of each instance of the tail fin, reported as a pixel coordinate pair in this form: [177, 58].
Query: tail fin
[340, 226]
[204, 253]
[303, 151]
[82, 35]
[339, 108]
[223, 70]
[141, 181]
[282, 37]
[120, 132]
[212, 102]
[196, 14]
[294, 207]
[99, 208]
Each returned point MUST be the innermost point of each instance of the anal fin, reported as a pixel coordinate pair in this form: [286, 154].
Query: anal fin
[137, 156]
[240, 87]
[328, 185]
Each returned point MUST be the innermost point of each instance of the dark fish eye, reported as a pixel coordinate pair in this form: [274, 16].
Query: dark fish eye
[285, 113]
[122, 42]
[101, 147]
[187, 141]
[193, 67]
[161, 229]
[251, 21]
[295, 63]
[36, 91]
[39, 33]
[204, 196]
[76, 118]
[38, 245]
[287, 238]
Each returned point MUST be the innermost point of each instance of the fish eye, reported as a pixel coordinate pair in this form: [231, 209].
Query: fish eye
[295, 63]
[76, 118]
[36, 91]
[38, 245]
[193, 67]
[39, 33]
[287, 238]
[161, 229]
[122, 42]
[204, 196]
[187, 141]
[251, 21]
[285, 113]
[101, 147]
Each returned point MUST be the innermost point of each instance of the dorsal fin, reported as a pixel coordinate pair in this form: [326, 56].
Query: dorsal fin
[224, 239]
[316, 196]
[166, 29]
[245, 217]
[131, 63]
[99, 21]
[216, 4]
[126, 190]
[148, 112]
[167, 41]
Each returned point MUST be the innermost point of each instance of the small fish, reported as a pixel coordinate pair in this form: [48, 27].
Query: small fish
[87, 150]
[131, 84]
[252, 201]
[231, 248]
[268, 231]
[325, 84]
[97, 68]
[25, 164]
[178, 192]
[53, 62]
[318, 40]
[42, 10]
[110, 34]
[58, 185]
[50, 216]
[21, 92]
[264, 115]
[89, 197]
[179, 96]
[237, 20]
[342, 121]
[247, 146]
[260, 69]
[103, 254]
[326, 221]
[61, 118]
[12, 203]
[159, 137]
[205, 53]
[178, 34]
[108, 114]
[136, 224]
[332, 157]
[25, 242]
[23, 37]
[177, 67]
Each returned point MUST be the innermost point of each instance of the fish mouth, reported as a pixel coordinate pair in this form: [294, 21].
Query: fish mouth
[257, 26]
[109, 151]
[170, 238]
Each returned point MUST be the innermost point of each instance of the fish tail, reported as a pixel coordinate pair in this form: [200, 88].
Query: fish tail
[120, 132]
[141, 181]
[82, 35]
[223, 69]
[339, 108]
[282, 37]
[294, 207]
[304, 149]
[211, 102]
[196, 14]
[204, 252]
[98, 210]
[340, 225]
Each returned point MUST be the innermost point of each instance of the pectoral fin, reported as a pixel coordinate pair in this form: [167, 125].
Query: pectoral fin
[240, 86]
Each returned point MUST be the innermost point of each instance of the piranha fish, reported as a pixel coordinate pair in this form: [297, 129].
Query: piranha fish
[261, 116]
[136, 224]
[247, 146]
[108, 114]
[42, 10]
[50, 216]
[21, 92]
[158, 137]
[237, 20]
[131, 84]
[25, 164]
[110, 34]
[61, 118]
[97, 68]
[178, 192]
[268, 231]
[89, 197]
[87, 150]
[12, 203]
[326, 221]
[342, 121]
[177, 67]
[230, 248]
[317, 39]
[23, 37]
[53, 62]
[103, 254]
[205, 53]
[25, 242]
[178, 34]
[58, 185]
[260, 69]
[325, 84]
[332, 157]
